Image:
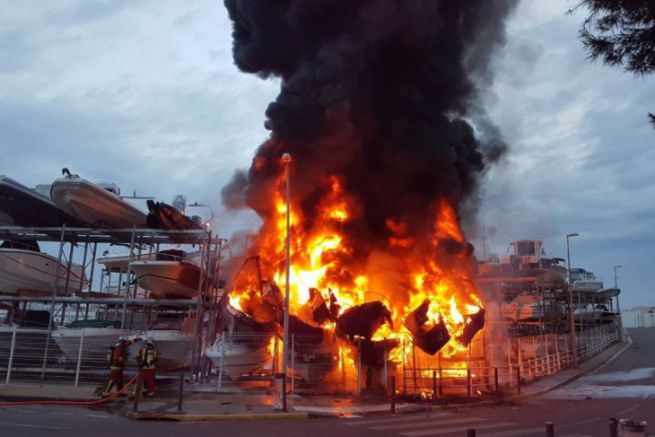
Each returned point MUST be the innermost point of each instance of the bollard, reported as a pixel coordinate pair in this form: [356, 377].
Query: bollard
[137, 393]
[613, 425]
[632, 428]
[393, 394]
[434, 386]
[179, 392]
[550, 429]
[470, 432]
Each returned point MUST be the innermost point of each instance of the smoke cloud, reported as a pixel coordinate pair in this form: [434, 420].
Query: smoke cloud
[380, 93]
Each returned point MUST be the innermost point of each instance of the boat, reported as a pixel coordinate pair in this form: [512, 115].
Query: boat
[172, 274]
[236, 354]
[175, 344]
[99, 205]
[582, 280]
[120, 263]
[167, 217]
[24, 267]
[27, 207]
[529, 307]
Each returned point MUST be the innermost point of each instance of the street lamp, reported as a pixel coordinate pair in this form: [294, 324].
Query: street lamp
[286, 159]
[574, 352]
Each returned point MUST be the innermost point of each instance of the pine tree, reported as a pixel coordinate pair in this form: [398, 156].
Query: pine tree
[622, 34]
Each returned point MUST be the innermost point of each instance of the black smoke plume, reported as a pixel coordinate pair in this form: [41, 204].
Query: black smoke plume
[377, 92]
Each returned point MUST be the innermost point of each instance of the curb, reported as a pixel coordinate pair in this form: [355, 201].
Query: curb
[174, 417]
[576, 376]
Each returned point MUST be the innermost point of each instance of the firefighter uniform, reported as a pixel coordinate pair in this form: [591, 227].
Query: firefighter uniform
[147, 360]
[116, 356]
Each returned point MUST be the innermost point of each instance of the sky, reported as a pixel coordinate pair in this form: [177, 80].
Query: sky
[144, 93]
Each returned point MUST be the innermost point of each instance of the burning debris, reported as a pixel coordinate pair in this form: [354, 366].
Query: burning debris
[363, 321]
[428, 335]
[473, 324]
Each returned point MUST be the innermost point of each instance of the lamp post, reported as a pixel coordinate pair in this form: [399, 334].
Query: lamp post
[574, 351]
[286, 159]
[618, 306]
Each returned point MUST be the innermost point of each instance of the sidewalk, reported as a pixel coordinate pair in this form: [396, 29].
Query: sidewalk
[552, 382]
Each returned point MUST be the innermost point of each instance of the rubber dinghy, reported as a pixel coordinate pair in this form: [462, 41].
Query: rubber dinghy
[100, 205]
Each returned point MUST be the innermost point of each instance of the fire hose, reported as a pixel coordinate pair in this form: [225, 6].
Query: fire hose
[71, 403]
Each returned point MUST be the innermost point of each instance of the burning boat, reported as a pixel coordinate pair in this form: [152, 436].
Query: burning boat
[383, 160]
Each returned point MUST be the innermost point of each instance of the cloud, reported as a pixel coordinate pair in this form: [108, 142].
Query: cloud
[145, 94]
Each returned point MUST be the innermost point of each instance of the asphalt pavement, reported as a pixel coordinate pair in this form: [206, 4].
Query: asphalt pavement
[621, 388]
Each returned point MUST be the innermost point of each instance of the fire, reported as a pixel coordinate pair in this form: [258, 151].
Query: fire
[434, 270]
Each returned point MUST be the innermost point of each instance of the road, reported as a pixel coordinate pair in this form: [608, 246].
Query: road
[624, 388]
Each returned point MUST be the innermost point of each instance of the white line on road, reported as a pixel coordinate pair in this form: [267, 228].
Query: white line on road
[399, 419]
[517, 432]
[28, 425]
[458, 429]
[98, 416]
[434, 423]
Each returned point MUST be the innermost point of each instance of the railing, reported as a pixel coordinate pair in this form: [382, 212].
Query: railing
[247, 362]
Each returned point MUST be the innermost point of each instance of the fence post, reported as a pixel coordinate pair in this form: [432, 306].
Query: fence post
[434, 386]
[11, 354]
[386, 370]
[79, 359]
[440, 382]
[402, 342]
[220, 362]
[180, 391]
[550, 429]
[293, 363]
[137, 393]
[518, 379]
[496, 379]
[393, 393]
[469, 383]
[359, 367]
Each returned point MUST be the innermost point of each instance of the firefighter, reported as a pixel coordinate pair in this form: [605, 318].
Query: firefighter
[116, 356]
[147, 361]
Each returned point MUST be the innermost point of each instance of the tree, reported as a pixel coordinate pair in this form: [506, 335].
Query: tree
[622, 34]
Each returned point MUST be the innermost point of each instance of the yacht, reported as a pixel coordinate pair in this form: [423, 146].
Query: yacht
[24, 267]
[171, 274]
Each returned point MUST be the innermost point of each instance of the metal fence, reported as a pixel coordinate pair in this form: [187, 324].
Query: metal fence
[248, 362]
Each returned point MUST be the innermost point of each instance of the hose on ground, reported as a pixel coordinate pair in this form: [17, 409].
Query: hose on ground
[71, 403]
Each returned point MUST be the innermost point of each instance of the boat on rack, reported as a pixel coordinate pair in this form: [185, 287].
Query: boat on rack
[24, 267]
[23, 206]
[164, 216]
[100, 204]
[172, 274]
[584, 280]
[529, 307]
[174, 343]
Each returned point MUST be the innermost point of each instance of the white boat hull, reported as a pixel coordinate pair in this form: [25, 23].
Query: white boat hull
[176, 347]
[94, 205]
[238, 357]
[167, 279]
[28, 270]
